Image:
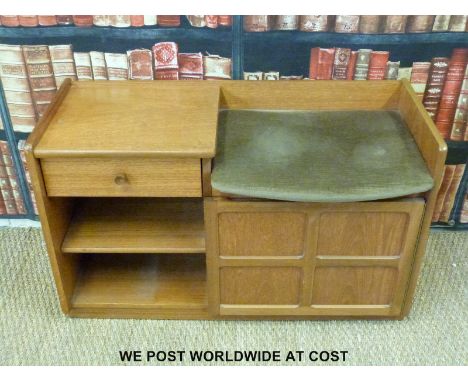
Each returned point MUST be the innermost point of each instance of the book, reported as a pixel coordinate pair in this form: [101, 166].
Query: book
[40, 76]
[101, 20]
[404, 73]
[14, 77]
[29, 21]
[83, 21]
[166, 66]
[465, 135]
[211, 21]
[369, 24]
[446, 180]
[117, 66]
[441, 23]
[150, 20]
[63, 63]
[15, 188]
[461, 112]
[291, 78]
[449, 199]
[140, 64]
[457, 23]
[419, 76]
[257, 23]
[6, 169]
[98, 65]
[21, 148]
[391, 72]
[46, 21]
[340, 63]
[225, 20]
[197, 21]
[377, 65]
[435, 84]
[309, 23]
[362, 64]
[419, 24]
[347, 24]
[119, 21]
[321, 63]
[216, 68]
[286, 22]
[83, 66]
[190, 66]
[253, 76]
[169, 21]
[271, 76]
[137, 21]
[9, 20]
[464, 210]
[394, 24]
[64, 19]
[351, 65]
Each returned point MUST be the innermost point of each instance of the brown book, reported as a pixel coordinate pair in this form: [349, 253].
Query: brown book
[392, 70]
[197, 21]
[465, 134]
[119, 21]
[419, 76]
[117, 66]
[10, 21]
[150, 20]
[461, 113]
[464, 210]
[225, 20]
[137, 21]
[286, 22]
[321, 63]
[340, 63]
[446, 180]
[83, 66]
[377, 65]
[65, 20]
[98, 65]
[140, 64]
[6, 169]
[394, 24]
[166, 66]
[16, 190]
[435, 84]
[63, 63]
[271, 76]
[310, 23]
[362, 64]
[451, 193]
[347, 24]
[369, 24]
[2, 203]
[21, 149]
[47, 21]
[216, 68]
[101, 20]
[258, 23]
[14, 77]
[291, 78]
[169, 21]
[420, 24]
[211, 21]
[457, 23]
[40, 75]
[190, 66]
[451, 91]
[441, 23]
[29, 21]
[352, 65]
[83, 21]
[253, 76]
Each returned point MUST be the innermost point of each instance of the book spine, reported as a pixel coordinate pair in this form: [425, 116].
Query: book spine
[391, 72]
[420, 24]
[63, 63]
[150, 20]
[47, 21]
[29, 21]
[310, 23]
[395, 24]
[419, 77]
[190, 66]
[362, 64]
[3, 210]
[369, 24]
[441, 23]
[10, 21]
[119, 21]
[340, 63]
[64, 19]
[465, 134]
[291, 78]
[169, 21]
[16, 191]
[101, 20]
[40, 75]
[404, 73]
[197, 21]
[137, 20]
[166, 66]
[253, 76]
[98, 65]
[377, 65]
[347, 24]
[225, 20]
[446, 180]
[83, 66]
[461, 113]
[257, 23]
[216, 68]
[435, 84]
[321, 63]
[6, 168]
[286, 22]
[271, 76]
[211, 21]
[464, 211]
[457, 23]
[117, 66]
[83, 21]
[352, 65]
[140, 64]
[21, 145]
[451, 193]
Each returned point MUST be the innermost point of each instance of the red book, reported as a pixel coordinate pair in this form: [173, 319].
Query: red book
[10, 21]
[190, 66]
[64, 19]
[83, 20]
[211, 21]
[140, 64]
[352, 65]
[225, 21]
[340, 63]
[435, 84]
[378, 65]
[165, 61]
[169, 21]
[47, 21]
[28, 20]
[321, 63]
[137, 20]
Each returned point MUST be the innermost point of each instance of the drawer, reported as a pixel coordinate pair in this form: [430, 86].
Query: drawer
[168, 177]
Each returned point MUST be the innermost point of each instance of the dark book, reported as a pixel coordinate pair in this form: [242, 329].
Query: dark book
[340, 63]
[435, 84]
[352, 65]
[392, 70]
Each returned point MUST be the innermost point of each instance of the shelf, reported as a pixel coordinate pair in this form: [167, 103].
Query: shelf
[140, 281]
[136, 225]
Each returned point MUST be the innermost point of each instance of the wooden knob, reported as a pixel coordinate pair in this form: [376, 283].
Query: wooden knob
[120, 179]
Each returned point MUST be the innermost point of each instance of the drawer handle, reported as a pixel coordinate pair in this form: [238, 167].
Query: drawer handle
[121, 179]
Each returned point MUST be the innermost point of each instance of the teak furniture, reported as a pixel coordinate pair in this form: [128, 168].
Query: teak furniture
[134, 227]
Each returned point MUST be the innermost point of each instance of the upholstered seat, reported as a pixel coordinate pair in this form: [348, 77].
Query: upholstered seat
[317, 156]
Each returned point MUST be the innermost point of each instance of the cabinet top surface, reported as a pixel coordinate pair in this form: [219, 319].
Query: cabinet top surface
[160, 118]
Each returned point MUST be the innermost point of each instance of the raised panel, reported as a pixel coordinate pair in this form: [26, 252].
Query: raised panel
[260, 285]
[354, 285]
[261, 234]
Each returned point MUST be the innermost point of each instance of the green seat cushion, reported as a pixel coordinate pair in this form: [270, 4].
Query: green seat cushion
[317, 156]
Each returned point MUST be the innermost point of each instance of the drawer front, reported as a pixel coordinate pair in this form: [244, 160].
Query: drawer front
[175, 177]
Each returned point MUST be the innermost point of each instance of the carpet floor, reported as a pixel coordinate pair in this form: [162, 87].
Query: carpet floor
[33, 331]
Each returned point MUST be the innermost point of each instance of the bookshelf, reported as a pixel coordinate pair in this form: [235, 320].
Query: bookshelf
[250, 51]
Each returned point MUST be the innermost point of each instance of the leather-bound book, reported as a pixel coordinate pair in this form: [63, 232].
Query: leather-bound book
[286, 22]
[369, 24]
[392, 70]
[310, 23]
[362, 64]
[435, 85]
[16, 188]
[83, 66]
[271, 76]
[101, 20]
[457, 23]
[169, 21]
[464, 210]
[465, 135]
[321, 63]
[64, 19]
[21, 149]
[292, 78]
[404, 73]
[6, 169]
[40, 75]
[419, 76]
[98, 65]
[420, 24]
[451, 91]
[347, 24]
[63, 63]
[119, 21]
[140, 64]
[394, 24]
[225, 20]
[451, 193]
[377, 65]
[340, 63]
[446, 180]
[211, 21]
[47, 21]
[117, 66]
[190, 66]
[166, 65]
[352, 65]
[83, 21]
[150, 20]
[258, 23]
[137, 21]
[216, 68]
[197, 21]
[14, 77]
[253, 76]
[461, 112]
[29, 21]
[10, 21]
[441, 23]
